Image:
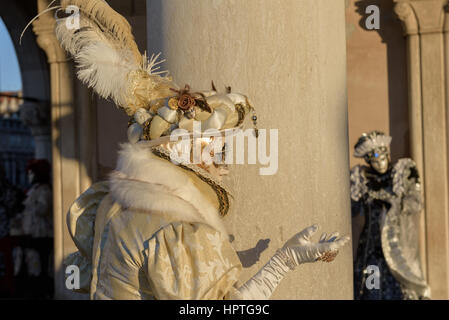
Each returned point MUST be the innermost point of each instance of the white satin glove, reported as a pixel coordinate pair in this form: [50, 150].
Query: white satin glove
[298, 250]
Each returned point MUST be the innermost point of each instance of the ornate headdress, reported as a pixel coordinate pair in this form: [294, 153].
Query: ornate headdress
[369, 141]
[109, 62]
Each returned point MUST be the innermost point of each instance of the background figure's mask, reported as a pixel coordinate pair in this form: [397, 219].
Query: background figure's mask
[374, 147]
[379, 159]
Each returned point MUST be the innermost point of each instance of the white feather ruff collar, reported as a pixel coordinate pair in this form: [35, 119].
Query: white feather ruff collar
[146, 182]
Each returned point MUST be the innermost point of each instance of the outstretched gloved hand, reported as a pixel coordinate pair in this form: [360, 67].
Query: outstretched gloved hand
[298, 250]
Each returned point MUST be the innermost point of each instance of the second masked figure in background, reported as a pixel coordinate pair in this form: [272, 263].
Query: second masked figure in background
[33, 229]
[388, 195]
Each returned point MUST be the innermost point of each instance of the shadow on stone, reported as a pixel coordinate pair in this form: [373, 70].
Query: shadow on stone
[251, 256]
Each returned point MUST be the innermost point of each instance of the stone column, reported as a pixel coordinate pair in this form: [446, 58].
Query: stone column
[426, 25]
[73, 140]
[289, 57]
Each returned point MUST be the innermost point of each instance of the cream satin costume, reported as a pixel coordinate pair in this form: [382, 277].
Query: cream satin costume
[154, 230]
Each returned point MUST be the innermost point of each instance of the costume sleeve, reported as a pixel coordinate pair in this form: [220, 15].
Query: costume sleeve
[357, 183]
[406, 183]
[191, 261]
[412, 201]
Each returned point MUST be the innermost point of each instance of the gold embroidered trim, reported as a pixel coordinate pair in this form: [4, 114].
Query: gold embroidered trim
[220, 190]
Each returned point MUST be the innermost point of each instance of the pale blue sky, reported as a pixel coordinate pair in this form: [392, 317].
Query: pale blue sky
[10, 79]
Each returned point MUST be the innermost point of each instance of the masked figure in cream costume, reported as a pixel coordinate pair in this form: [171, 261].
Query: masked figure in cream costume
[154, 230]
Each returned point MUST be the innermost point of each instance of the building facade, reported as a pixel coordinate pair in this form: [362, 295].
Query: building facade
[314, 72]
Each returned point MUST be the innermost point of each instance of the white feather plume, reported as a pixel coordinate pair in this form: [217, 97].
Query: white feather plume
[106, 54]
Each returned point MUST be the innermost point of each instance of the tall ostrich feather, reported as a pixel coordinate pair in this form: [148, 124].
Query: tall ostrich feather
[104, 51]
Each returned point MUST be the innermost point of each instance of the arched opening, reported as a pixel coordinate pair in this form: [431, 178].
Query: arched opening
[25, 191]
[17, 146]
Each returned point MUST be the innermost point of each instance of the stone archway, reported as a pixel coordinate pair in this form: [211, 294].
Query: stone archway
[63, 107]
[35, 76]
[35, 116]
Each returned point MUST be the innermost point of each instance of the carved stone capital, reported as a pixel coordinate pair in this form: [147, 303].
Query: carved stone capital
[44, 28]
[421, 16]
[446, 17]
[405, 13]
